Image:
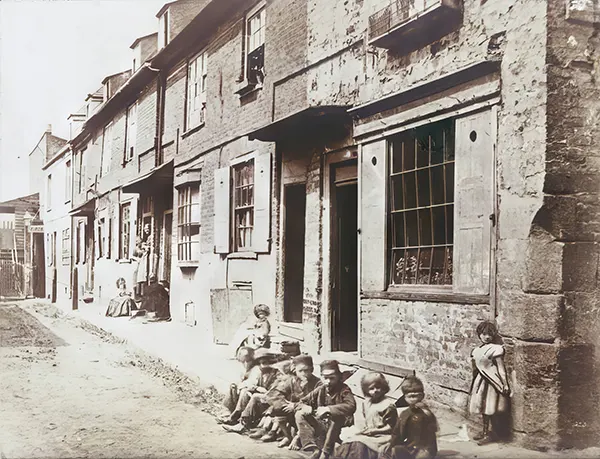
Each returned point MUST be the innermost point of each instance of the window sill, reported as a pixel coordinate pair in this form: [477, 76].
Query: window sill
[187, 264]
[243, 256]
[440, 296]
[245, 88]
[190, 131]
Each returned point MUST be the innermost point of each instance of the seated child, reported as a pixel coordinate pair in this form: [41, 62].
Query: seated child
[248, 377]
[414, 435]
[286, 394]
[268, 428]
[255, 334]
[380, 416]
[323, 412]
[260, 335]
[122, 304]
[252, 402]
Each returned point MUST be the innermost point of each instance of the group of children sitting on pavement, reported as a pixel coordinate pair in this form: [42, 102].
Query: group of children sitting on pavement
[291, 405]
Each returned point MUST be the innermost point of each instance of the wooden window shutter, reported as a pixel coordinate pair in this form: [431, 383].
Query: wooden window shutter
[222, 210]
[261, 234]
[473, 203]
[373, 244]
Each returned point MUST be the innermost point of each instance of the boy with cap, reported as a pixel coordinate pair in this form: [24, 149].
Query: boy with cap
[322, 413]
[414, 436]
[286, 394]
[252, 403]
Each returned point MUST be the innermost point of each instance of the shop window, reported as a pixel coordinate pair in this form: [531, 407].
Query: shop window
[422, 205]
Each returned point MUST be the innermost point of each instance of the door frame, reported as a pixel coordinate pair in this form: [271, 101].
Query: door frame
[296, 325]
[334, 159]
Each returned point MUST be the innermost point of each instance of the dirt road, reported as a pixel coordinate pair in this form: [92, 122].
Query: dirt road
[68, 390]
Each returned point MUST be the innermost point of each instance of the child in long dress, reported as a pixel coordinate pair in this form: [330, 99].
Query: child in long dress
[490, 390]
[380, 416]
[122, 304]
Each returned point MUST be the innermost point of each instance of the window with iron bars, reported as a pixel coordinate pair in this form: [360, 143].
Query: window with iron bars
[422, 205]
[243, 208]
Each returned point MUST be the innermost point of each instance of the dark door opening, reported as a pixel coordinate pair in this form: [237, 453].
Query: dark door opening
[39, 266]
[344, 265]
[295, 212]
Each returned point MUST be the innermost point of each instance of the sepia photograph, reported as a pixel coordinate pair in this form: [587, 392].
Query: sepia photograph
[299, 229]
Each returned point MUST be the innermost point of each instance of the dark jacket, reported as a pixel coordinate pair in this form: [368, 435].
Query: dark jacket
[290, 389]
[416, 429]
[341, 402]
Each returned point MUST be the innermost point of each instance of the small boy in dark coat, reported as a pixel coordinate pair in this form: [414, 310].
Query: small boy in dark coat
[414, 436]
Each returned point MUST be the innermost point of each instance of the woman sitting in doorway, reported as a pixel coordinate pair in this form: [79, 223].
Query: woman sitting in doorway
[122, 304]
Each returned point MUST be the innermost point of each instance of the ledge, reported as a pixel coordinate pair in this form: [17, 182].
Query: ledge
[123, 260]
[187, 264]
[243, 256]
[245, 88]
[192, 130]
[430, 297]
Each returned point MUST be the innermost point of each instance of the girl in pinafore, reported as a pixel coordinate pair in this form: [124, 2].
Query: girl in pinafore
[489, 390]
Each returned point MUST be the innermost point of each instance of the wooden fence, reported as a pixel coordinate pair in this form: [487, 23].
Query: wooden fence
[11, 279]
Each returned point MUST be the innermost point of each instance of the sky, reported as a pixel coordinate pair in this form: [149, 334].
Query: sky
[52, 54]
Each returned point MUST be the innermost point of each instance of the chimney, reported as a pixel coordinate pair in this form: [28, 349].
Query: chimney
[49, 129]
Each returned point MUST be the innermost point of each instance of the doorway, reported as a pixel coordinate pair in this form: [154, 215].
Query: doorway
[344, 266]
[39, 266]
[295, 226]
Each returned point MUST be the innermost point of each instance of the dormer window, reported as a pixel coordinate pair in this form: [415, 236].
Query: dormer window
[163, 30]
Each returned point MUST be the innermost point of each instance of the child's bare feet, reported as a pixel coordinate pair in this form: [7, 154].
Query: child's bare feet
[285, 441]
[295, 444]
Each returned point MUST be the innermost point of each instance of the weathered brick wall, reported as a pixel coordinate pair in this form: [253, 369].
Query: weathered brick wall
[313, 255]
[565, 229]
[181, 14]
[434, 338]
[146, 120]
[356, 73]
[174, 108]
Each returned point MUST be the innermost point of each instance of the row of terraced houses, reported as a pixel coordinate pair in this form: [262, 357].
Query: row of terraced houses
[384, 174]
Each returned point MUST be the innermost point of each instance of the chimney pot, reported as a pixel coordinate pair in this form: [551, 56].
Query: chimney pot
[49, 129]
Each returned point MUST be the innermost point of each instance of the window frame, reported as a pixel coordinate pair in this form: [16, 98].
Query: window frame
[106, 159]
[130, 132]
[66, 246]
[49, 193]
[125, 231]
[189, 208]
[237, 246]
[390, 263]
[68, 180]
[246, 84]
[198, 83]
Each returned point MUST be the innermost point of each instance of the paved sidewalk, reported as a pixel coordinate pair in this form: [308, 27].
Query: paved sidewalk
[184, 348]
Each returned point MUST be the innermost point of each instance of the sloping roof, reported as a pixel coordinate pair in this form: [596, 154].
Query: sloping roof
[32, 199]
[137, 40]
[108, 77]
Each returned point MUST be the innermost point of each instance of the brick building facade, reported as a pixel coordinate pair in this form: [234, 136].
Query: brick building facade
[385, 175]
